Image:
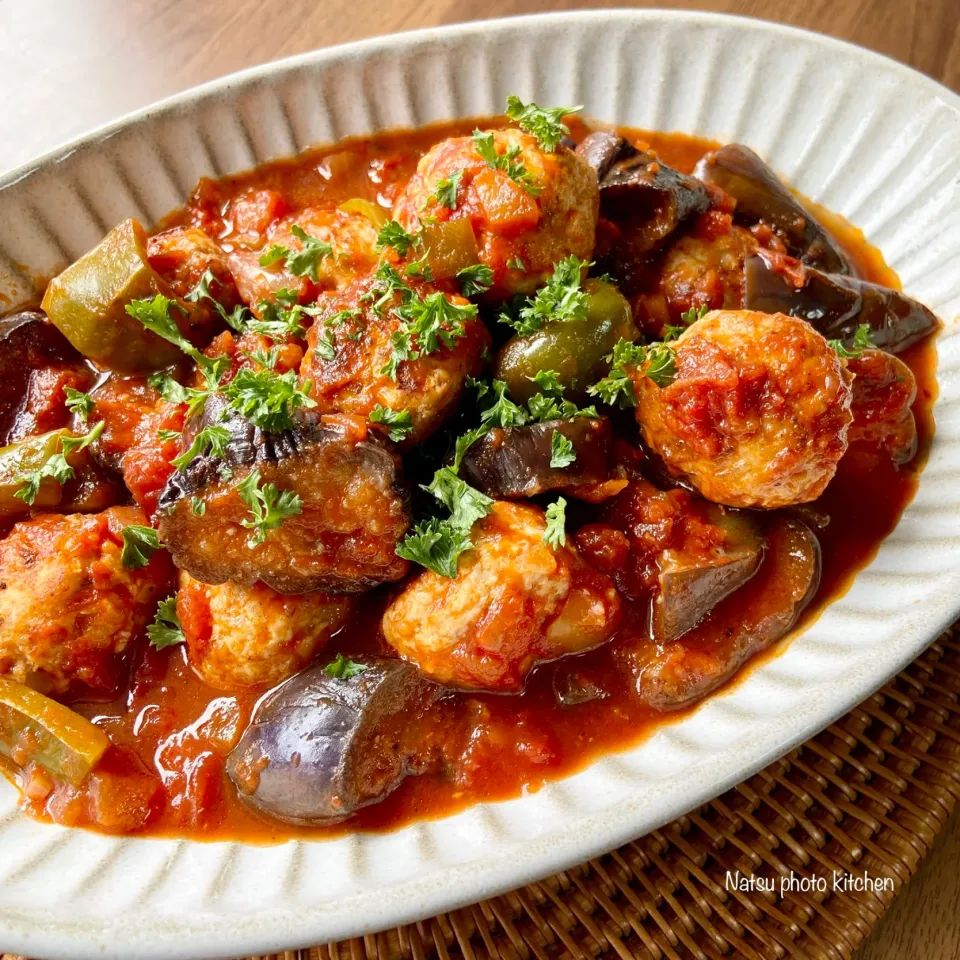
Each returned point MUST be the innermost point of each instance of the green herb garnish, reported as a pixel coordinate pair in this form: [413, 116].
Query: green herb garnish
[139, 545]
[544, 124]
[562, 453]
[269, 506]
[78, 402]
[165, 631]
[343, 669]
[400, 422]
[556, 535]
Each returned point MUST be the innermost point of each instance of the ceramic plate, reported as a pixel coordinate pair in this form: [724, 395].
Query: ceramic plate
[863, 135]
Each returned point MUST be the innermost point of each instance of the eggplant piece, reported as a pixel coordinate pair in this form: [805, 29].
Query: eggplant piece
[690, 587]
[320, 748]
[355, 508]
[678, 674]
[648, 200]
[762, 198]
[515, 462]
[28, 342]
[835, 305]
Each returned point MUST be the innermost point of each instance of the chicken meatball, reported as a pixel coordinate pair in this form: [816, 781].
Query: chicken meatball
[348, 363]
[703, 270]
[352, 241]
[758, 413]
[522, 224]
[68, 605]
[183, 255]
[884, 389]
[515, 601]
[253, 636]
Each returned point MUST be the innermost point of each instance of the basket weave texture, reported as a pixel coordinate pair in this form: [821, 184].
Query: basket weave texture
[866, 796]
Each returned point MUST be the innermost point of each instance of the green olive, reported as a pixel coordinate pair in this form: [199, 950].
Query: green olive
[86, 302]
[575, 348]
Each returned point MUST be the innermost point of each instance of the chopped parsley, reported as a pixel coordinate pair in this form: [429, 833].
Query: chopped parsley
[236, 319]
[274, 254]
[617, 387]
[56, 468]
[503, 412]
[194, 397]
[393, 235]
[694, 314]
[562, 453]
[556, 535]
[436, 545]
[139, 545]
[400, 422]
[168, 435]
[506, 162]
[544, 124]
[343, 669]
[475, 280]
[198, 506]
[280, 321]
[212, 439]
[267, 399]
[78, 402]
[166, 631]
[548, 381]
[269, 506]
[662, 365]
[447, 189]
[466, 504]
[304, 263]
[515, 263]
[561, 298]
[466, 441]
[861, 342]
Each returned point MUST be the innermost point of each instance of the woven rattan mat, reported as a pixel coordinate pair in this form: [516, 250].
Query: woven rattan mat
[865, 797]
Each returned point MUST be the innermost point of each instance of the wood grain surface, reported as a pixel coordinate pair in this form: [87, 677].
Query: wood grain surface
[69, 65]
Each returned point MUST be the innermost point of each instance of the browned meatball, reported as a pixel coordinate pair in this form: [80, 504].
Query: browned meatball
[348, 370]
[758, 413]
[351, 236]
[68, 605]
[702, 270]
[514, 602]
[183, 255]
[884, 389]
[536, 222]
[253, 636]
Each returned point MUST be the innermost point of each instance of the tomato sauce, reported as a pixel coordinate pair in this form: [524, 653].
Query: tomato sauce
[172, 733]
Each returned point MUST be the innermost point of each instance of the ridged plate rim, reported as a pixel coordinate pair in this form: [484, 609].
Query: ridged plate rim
[195, 903]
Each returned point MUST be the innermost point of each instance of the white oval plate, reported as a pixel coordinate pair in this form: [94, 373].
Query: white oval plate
[863, 135]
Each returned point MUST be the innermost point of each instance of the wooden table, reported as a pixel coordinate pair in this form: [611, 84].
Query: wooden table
[67, 66]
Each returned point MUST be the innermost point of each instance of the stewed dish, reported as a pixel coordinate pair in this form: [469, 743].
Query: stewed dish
[420, 469]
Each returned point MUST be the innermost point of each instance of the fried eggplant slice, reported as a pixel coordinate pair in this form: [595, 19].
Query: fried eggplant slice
[762, 198]
[675, 675]
[320, 748]
[835, 305]
[517, 462]
[648, 200]
[691, 586]
[354, 507]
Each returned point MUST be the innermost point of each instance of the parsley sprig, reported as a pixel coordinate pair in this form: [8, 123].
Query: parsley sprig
[56, 466]
[398, 422]
[166, 630]
[617, 386]
[485, 146]
[212, 438]
[561, 298]
[393, 235]
[78, 402]
[546, 124]
[556, 535]
[446, 190]
[268, 399]
[343, 669]
[562, 453]
[269, 506]
[235, 319]
[475, 280]
[861, 341]
[139, 545]
[303, 262]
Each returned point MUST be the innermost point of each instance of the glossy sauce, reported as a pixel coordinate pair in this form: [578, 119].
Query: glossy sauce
[168, 725]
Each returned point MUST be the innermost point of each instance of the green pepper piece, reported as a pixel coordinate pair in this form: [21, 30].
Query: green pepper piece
[576, 349]
[86, 302]
[22, 458]
[35, 728]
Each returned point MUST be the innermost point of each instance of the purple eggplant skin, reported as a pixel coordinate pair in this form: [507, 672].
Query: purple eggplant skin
[320, 748]
[650, 200]
[762, 197]
[515, 462]
[836, 305]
